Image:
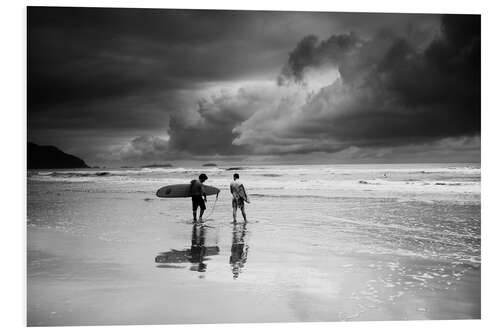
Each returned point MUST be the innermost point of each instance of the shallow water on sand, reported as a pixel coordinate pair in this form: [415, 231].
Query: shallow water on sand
[323, 243]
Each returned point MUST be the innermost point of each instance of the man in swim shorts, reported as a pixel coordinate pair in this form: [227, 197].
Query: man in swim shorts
[198, 196]
[239, 196]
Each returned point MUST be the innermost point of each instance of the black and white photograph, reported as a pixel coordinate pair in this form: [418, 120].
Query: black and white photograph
[211, 166]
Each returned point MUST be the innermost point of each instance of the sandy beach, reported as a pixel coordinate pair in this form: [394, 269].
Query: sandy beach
[323, 243]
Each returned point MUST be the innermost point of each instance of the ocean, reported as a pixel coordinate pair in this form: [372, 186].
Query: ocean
[323, 243]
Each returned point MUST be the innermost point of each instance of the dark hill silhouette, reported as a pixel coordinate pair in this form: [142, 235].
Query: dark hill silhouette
[50, 157]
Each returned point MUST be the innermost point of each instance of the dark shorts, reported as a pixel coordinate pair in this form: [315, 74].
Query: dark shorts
[198, 202]
[238, 203]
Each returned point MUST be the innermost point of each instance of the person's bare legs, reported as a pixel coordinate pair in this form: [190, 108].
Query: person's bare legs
[194, 216]
[234, 213]
[243, 213]
[201, 214]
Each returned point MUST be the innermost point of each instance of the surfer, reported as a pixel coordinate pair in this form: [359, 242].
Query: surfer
[239, 196]
[198, 195]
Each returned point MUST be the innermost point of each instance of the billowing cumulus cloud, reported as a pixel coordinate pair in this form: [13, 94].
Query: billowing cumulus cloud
[209, 130]
[401, 96]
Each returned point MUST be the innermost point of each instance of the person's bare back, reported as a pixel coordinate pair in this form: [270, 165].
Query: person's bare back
[239, 197]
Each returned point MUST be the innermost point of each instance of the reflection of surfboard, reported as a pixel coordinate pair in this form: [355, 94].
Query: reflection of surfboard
[176, 256]
[182, 191]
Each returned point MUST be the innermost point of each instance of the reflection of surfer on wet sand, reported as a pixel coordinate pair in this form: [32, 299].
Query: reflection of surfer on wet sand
[196, 254]
[239, 196]
[239, 250]
[198, 249]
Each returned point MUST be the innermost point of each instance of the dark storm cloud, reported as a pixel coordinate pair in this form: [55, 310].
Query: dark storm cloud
[80, 54]
[310, 53]
[389, 92]
[131, 69]
[151, 84]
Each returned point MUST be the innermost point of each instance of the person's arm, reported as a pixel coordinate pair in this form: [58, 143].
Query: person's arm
[203, 192]
[191, 188]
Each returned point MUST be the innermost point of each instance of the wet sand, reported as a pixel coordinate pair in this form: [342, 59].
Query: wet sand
[125, 257]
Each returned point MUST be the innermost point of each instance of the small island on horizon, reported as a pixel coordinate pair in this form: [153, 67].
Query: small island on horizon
[209, 164]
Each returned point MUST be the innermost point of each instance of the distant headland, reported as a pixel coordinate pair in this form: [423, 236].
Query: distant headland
[209, 165]
[50, 157]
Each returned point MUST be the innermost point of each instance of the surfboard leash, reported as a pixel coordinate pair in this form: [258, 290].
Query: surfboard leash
[213, 207]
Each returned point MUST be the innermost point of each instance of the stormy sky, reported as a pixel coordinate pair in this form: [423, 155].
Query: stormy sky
[139, 86]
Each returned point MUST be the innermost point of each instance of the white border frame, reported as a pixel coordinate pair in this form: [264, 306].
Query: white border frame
[13, 165]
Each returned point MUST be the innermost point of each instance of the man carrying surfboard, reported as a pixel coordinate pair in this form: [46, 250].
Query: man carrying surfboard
[239, 196]
[197, 192]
